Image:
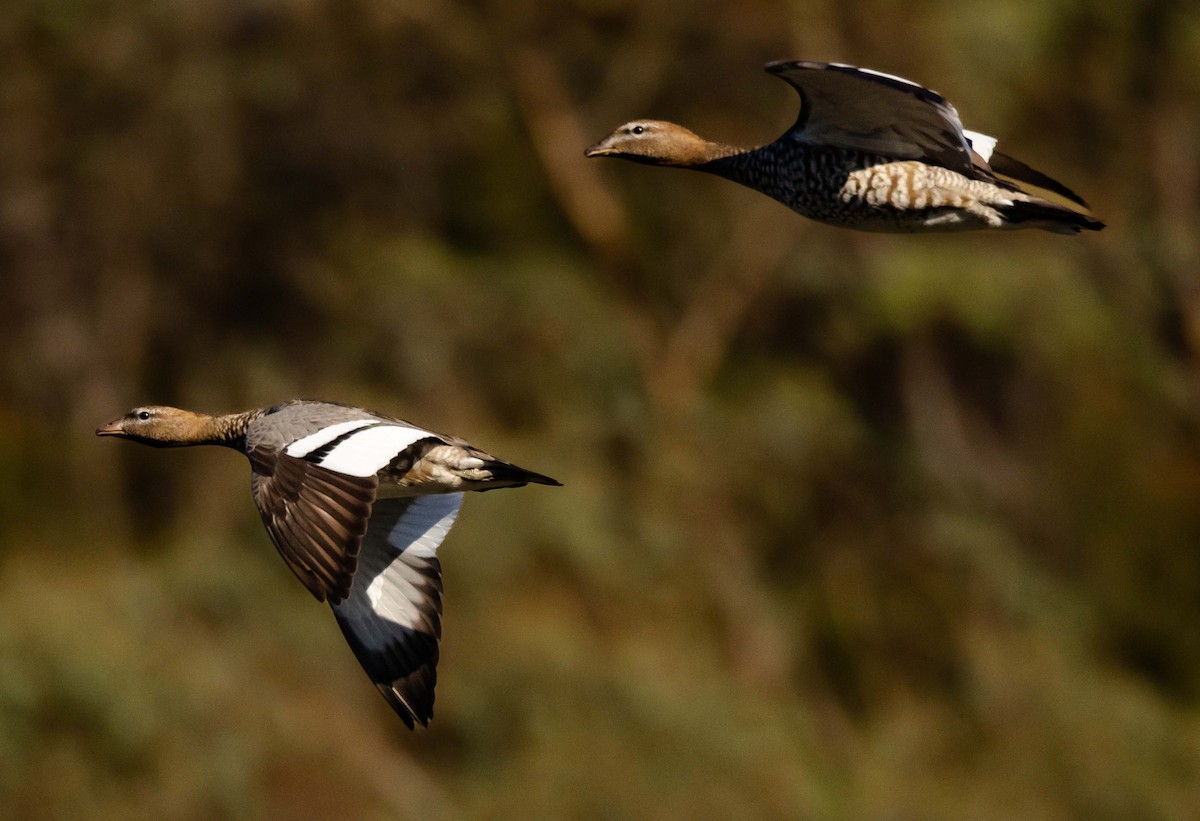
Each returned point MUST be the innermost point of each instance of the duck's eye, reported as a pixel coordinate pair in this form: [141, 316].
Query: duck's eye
[143, 415]
[638, 129]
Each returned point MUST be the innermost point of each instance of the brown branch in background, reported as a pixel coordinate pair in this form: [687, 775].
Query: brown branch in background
[587, 201]
[723, 298]
[559, 138]
[1175, 179]
[675, 372]
[675, 369]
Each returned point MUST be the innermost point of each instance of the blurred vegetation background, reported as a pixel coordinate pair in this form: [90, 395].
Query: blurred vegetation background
[854, 526]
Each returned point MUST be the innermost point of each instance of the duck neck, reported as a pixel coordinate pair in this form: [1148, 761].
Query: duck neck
[732, 162]
[192, 428]
[229, 429]
[713, 156]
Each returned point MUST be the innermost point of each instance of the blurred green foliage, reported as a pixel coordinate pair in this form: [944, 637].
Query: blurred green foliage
[854, 526]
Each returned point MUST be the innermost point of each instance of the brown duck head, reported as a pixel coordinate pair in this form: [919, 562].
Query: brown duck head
[165, 427]
[657, 143]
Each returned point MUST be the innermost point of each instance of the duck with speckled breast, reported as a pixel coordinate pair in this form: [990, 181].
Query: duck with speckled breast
[871, 152]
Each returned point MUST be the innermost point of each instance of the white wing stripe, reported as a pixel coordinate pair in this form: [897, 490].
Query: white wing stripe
[363, 453]
[425, 524]
[982, 143]
[418, 532]
[307, 444]
[388, 595]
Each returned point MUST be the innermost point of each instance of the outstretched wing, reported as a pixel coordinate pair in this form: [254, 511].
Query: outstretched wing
[874, 112]
[375, 559]
[315, 496]
[392, 615]
[315, 516]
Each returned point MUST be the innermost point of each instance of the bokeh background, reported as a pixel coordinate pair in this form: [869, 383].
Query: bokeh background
[853, 526]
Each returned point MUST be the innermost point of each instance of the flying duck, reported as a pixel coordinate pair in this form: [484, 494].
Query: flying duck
[872, 152]
[356, 504]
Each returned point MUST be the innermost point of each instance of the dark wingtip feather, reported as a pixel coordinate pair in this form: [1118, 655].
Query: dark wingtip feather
[513, 476]
[412, 696]
[540, 479]
[1013, 168]
[405, 670]
[1054, 217]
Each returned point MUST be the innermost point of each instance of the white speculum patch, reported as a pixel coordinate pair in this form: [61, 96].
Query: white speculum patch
[420, 531]
[307, 444]
[365, 452]
[981, 143]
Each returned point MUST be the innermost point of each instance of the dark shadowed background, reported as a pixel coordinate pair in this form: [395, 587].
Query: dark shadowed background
[854, 526]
